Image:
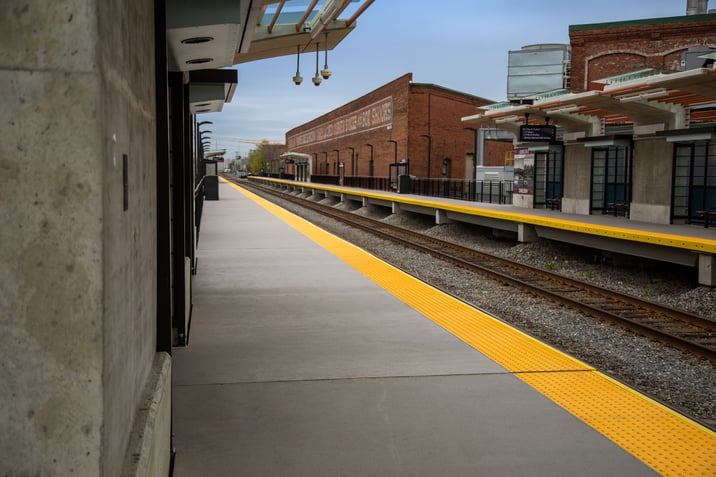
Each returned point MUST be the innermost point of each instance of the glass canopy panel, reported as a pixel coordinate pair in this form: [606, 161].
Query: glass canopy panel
[294, 10]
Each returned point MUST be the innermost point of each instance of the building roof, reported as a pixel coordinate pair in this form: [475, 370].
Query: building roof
[642, 22]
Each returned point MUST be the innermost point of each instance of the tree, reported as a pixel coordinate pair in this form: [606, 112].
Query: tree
[262, 155]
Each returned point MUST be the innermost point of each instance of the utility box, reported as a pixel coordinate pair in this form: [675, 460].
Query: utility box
[211, 181]
[404, 184]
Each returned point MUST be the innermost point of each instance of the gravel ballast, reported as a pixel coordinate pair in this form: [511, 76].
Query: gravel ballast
[679, 380]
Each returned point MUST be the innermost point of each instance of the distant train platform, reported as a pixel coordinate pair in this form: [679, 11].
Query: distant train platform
[309, 356]
[690, 245]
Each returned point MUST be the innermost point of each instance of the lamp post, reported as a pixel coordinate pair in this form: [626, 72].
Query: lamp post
[474, 152]
[370, 164]
[430, 148]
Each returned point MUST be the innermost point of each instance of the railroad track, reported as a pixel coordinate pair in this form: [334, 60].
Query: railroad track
[674, 327]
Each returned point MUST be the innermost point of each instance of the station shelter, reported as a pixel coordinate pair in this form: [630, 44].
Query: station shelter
[641, 145]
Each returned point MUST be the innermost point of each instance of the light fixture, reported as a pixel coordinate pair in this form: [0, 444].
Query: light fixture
[563, 110]
[198, 61]
[325, 72]
[655, 93]
[298, 78]
[316, 78]
[197, 39]
[507, 119]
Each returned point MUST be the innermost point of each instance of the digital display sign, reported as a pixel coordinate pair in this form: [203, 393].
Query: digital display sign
[537, 133]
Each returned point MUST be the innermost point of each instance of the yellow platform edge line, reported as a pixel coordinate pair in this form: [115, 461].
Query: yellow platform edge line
[655, 238]
[663, 439]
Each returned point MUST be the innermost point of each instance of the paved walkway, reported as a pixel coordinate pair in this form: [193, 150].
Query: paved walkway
[298, 364]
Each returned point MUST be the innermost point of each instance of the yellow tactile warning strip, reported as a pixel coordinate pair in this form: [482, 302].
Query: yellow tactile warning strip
[664, 440]
[666, 240]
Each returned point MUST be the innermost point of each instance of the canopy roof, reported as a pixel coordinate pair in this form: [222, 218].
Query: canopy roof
[220, 33]
[661, 101]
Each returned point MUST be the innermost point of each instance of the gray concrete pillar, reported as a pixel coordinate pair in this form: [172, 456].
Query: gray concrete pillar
[526, 233]
[441, 217]
[707, 270]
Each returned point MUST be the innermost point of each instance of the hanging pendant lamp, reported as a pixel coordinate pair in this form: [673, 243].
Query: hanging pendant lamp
[298, 78]
[317, 79]
[325, 72]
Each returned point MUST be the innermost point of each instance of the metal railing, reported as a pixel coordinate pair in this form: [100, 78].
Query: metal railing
[495, 192]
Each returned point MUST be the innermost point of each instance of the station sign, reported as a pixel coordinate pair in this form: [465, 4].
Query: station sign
[537, 133]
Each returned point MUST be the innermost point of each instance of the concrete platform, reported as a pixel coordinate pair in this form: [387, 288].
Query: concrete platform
[298, 364]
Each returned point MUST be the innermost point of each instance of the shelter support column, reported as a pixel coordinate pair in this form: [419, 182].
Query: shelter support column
[441, 217]
[707, 270]
[526, 233]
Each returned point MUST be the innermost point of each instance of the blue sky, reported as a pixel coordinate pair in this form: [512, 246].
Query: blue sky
[457, 44]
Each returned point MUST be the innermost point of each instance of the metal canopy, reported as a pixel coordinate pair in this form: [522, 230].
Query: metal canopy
[666, 101]
[211, 34]
[209, 90]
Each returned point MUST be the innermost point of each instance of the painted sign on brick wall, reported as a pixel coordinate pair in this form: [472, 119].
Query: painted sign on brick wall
[376, 115]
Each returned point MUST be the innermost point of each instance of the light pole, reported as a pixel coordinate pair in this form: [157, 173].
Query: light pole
[474, 152]
[430, 148]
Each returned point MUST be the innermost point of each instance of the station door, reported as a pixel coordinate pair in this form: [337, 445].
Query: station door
[611, 179]
[548, 178]
[694, 188]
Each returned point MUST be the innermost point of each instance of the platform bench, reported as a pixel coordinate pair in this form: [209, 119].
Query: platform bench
[619, 208]
[707, 215]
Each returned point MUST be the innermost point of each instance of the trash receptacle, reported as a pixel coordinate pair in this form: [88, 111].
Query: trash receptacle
[404, 184]
[211, 187]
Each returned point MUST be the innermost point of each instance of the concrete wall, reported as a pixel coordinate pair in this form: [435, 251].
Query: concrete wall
[577, 178]
[651, 188]
[128, 123]
[77, 312]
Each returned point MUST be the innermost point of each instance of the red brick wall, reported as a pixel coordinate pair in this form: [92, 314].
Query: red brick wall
[416, 110]
[324, 145]
[437, 112]
[495, 152]
[603, 50]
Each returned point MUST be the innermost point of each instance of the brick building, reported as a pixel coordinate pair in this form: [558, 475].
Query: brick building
[400, 122]
[602, 50]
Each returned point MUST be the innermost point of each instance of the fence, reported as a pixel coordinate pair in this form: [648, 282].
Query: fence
[495, 192]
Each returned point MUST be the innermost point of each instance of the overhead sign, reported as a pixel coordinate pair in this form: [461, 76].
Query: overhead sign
[537, 133]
